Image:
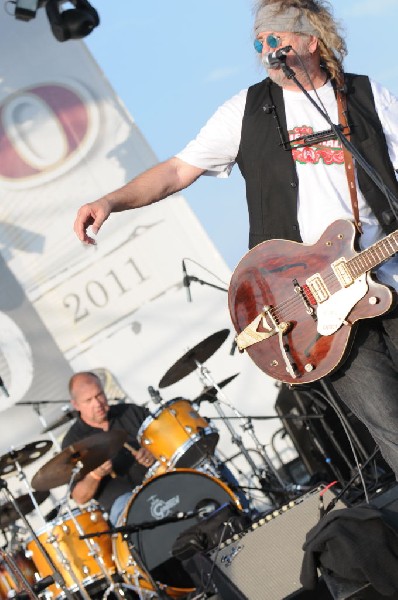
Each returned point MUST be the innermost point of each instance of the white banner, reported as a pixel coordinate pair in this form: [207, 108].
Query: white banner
[66, 139]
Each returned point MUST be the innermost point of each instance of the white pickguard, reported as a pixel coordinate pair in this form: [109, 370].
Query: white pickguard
[333, 312]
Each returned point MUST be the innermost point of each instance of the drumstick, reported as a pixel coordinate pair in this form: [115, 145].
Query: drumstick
[133, 451]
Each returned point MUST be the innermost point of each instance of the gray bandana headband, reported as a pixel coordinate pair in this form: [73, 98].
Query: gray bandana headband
[291, 20]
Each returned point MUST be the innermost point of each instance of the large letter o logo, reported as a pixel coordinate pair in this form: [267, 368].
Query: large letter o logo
[44, 131]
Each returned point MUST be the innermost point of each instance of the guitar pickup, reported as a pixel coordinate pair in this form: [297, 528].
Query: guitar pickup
[340, 269]
[318, 288]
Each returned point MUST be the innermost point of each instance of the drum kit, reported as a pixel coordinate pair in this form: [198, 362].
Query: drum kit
[77, 554]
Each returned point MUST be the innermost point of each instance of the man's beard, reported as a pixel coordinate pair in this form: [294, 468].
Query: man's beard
[302, 68]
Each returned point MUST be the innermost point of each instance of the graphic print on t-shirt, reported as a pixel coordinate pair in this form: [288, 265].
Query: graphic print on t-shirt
[329, 152]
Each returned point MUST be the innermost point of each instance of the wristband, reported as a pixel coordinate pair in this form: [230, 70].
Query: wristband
[95, 476]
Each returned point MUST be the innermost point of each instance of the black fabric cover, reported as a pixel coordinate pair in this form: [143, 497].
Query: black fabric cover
[355, 544]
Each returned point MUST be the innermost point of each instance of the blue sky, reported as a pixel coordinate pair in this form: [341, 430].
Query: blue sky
[172, 63]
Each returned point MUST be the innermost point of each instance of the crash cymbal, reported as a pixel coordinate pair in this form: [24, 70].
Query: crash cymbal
[200, 353]
[69, 415]
[8, 513]
[91, 452]
[209, 393]
[23, 456]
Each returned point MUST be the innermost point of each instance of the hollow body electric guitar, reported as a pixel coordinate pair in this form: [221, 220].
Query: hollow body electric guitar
[294, 306]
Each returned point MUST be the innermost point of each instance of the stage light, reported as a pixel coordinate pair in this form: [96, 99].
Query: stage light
[71, 23]
[25, 10]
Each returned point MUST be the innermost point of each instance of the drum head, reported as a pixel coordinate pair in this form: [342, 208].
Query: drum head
[175, 492]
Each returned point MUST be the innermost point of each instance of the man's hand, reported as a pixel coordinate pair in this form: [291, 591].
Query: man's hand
[144, 457]
[93, 214]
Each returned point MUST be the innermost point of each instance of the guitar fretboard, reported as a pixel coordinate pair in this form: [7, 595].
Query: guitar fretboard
[373, 256]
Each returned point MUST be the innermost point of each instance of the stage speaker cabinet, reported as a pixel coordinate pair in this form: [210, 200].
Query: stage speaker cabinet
[265, 562]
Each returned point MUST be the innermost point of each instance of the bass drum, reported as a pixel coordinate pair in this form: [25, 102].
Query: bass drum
[181, 490]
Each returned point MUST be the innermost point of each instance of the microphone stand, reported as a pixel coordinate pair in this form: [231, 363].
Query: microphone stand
[203, 282]
[123, 529]
[369, 170]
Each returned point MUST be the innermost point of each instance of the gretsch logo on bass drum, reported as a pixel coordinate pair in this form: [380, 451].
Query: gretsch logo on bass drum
[45, 130]
[161, 509]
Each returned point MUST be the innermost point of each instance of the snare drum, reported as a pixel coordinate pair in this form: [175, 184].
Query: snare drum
[11, 568]
[71, 555]
[183, 490]
[177, 435]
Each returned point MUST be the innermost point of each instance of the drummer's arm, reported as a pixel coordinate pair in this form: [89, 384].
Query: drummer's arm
[86, 488]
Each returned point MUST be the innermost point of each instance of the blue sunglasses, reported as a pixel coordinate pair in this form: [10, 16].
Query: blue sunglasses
[272, 40]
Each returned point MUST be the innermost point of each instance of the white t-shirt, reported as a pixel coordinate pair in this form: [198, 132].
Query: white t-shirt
[323, 191]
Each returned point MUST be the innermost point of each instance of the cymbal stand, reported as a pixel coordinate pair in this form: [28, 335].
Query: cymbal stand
[204, 375]
[21, 476]
[36, 408]
[55, 573]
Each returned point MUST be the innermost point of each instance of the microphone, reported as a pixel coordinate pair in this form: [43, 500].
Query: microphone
[186, 281]
[274, 59]
[154, 394]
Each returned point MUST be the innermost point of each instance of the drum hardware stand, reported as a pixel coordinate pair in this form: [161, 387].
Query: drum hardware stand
[36, 407]
[92, 546]
[17, 575]
[204, 375]
[55, 573]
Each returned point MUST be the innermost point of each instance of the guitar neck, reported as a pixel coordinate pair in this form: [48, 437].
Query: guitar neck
[374, 256]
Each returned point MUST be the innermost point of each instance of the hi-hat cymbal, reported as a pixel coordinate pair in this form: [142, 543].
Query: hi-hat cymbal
[188, 363]
[209, 393]
[9, 514]
[23, 456]
[91, 452]
[69, 415]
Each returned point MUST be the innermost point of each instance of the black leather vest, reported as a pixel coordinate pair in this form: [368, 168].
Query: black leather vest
[269, 170]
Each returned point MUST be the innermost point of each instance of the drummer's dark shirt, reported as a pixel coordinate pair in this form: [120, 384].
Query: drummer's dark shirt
[129, 418]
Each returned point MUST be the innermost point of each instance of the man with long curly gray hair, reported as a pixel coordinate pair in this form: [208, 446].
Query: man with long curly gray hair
[299, 180]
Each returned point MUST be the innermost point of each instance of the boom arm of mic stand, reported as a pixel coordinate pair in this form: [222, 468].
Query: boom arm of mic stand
[144, 525]
[202, 282]
[369, 170]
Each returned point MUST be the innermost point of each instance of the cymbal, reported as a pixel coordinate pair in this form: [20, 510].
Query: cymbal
[69, 415]
[91, 452]
[23, 456]
[187, 363]
[209, 393]
[8, 513]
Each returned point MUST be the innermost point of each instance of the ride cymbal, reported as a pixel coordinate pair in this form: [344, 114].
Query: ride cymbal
[91, 452]
[23, 456]
[209, 393]
[199, 354]
[9, 514]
